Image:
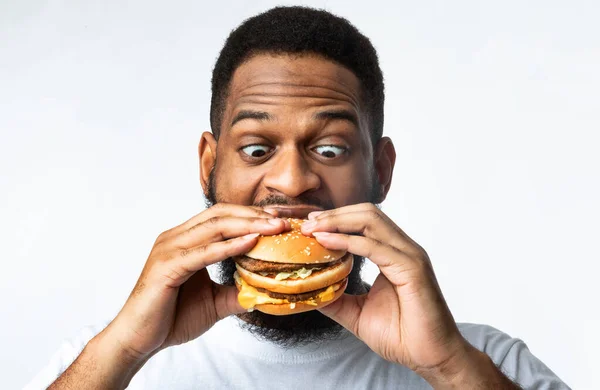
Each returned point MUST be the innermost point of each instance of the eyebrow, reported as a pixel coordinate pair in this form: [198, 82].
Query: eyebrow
[341, 114]
[249, 114]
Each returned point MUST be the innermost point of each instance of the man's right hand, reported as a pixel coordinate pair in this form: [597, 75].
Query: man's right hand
[174, 300]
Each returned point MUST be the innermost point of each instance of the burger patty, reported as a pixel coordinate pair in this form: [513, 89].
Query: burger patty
[258, 266]
[294, 297]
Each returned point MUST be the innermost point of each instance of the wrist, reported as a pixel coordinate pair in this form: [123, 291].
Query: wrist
[113, 339]
[444, 374]
[469, 368]
[117, 363]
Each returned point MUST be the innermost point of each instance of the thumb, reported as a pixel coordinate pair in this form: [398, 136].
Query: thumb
[226, 302]
[346, 311]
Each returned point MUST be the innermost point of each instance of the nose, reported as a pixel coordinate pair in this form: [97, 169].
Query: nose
[291, 174]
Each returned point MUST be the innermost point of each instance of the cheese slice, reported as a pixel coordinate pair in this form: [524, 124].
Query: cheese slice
[249, 296]
[328, 294]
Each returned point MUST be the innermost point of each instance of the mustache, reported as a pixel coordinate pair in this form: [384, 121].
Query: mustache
[303, 200]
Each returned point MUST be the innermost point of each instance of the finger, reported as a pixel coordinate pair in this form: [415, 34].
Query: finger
[290, 212]
[376, 222]
[397, 266]
[369, 208]
[344, 209]
[346, 311]
[220, 209]
[176, 270]
[192, 260]
[223, 228]
[367, 223]
[226, 302]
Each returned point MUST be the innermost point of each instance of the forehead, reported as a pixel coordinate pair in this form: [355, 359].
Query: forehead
[272, 78]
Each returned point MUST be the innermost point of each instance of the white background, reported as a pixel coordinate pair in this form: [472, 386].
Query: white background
[493, 108]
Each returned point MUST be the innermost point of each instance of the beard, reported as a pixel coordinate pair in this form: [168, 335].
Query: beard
[295, 329]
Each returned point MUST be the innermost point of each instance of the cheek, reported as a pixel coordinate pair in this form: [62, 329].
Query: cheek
[236, 184]
[349, 185]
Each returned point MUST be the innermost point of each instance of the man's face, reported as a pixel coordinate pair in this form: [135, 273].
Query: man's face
[293, 127]
[294, 132]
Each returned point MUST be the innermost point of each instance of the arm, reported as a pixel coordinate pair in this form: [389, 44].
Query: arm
[102, 364]
[474, 370]
[407, 306]
[175, 300]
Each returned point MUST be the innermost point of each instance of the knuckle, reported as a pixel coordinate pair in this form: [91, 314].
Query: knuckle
[229, 243]
[374, 214]
[158, 246]
[369, 248]
[258, 211]
[174, 275]
[163, 236]
[159, 253]
[219, 206]
[214, 221]
[325, 215]
[217, 209]
[372, 218]
[231, 246]
[201, 250]
[424, 259]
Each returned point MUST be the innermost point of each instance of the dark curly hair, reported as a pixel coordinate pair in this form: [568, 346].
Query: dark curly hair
[299, 30]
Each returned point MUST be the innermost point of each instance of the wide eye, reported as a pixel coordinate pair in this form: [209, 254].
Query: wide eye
[330, 151]
[256, 151]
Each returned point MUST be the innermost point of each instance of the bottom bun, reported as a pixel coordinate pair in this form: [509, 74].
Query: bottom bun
[284, 309]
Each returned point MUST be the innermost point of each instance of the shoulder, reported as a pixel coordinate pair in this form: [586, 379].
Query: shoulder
[488, 339]
[512, 356]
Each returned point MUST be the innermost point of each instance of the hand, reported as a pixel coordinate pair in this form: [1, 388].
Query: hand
[174, 300]
[404, 317]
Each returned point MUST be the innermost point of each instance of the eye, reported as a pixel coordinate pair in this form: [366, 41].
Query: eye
[256, 151]
[330, 151]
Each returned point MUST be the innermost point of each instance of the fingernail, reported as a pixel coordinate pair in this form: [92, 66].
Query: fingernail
[309, 224]
[320, 234]
[250, 236]
[275, 221]
[314, 214]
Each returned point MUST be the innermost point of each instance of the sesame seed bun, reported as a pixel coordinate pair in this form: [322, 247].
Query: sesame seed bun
[310, 275]
[293, 247]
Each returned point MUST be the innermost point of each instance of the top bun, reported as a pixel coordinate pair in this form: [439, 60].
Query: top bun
[293, 247]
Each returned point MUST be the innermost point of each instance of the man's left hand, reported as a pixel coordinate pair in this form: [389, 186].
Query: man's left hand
[404, 317]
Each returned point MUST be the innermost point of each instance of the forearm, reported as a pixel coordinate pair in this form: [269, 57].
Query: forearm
[101, 365]
[474, 370]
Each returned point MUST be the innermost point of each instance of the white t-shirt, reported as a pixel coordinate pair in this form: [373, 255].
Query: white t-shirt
[228, 357]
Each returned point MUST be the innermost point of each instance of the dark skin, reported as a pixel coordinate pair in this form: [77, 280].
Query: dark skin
[311, 130]
[293, 129]
[288, 110]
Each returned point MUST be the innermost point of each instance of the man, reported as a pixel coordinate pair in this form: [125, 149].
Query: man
[297, 123]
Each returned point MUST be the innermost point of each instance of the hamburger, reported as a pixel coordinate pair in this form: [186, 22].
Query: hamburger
[290, 273]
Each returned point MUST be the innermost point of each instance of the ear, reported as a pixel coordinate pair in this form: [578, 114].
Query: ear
[207, 154]
[385, 159]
